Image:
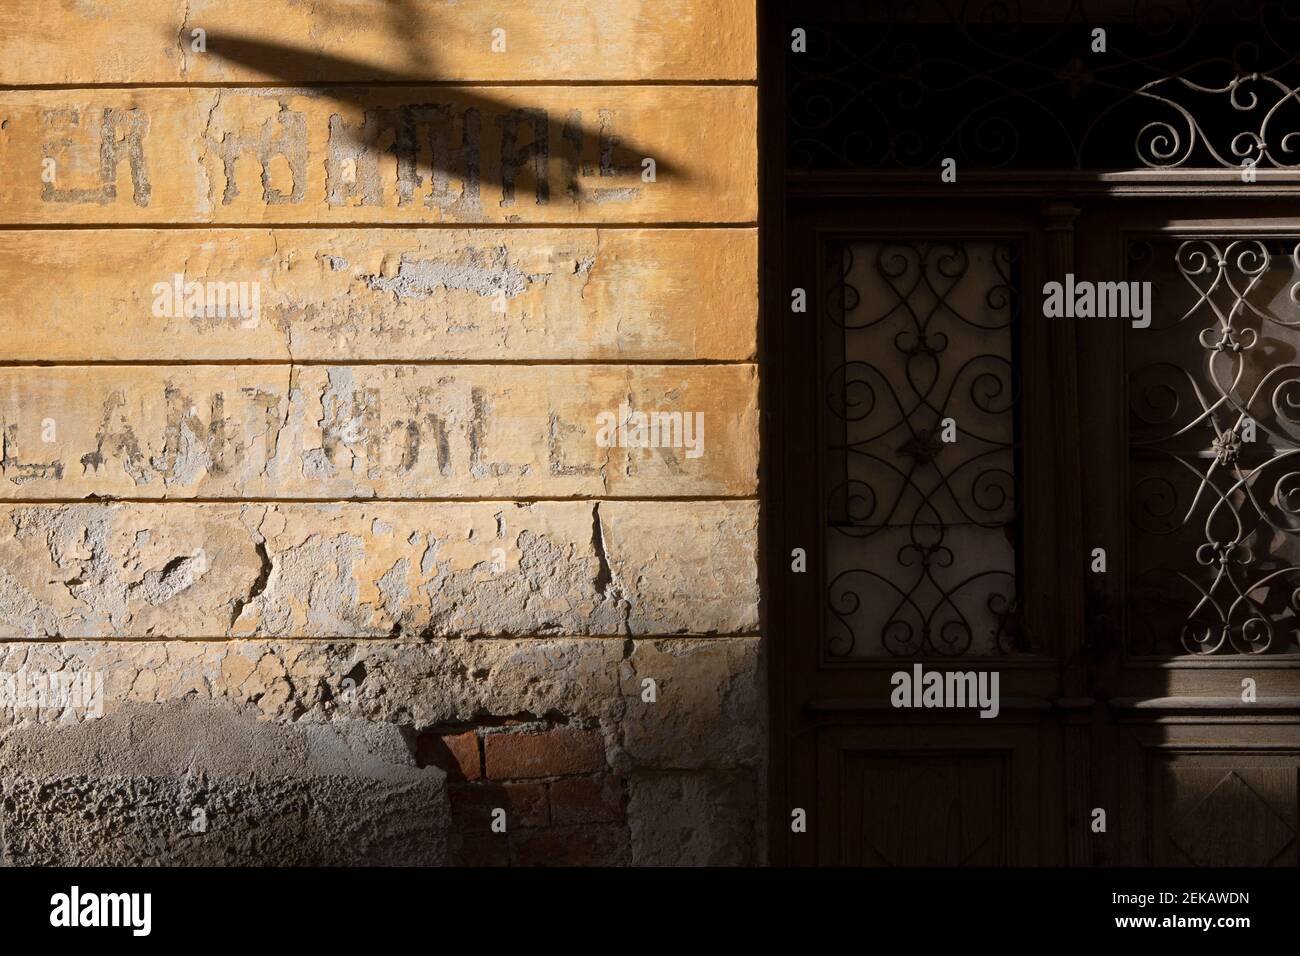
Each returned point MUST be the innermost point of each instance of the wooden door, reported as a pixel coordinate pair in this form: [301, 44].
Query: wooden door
[928, 426]
[1128, 562]
[1150, 705]
[1191, 468]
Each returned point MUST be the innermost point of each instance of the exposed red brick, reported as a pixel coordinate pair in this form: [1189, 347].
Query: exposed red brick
[457, 754]
[600, 845]
[551, 753]
[587, 800]
[472, 805]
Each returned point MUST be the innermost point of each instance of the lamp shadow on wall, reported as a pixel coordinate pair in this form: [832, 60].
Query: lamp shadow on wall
[286, 64]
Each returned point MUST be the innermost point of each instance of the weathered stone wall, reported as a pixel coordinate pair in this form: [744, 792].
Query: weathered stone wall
[318, 542]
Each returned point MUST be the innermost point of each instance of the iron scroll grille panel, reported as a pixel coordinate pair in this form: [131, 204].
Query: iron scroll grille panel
[1214, 448]
[1001, 84]
[920, 426]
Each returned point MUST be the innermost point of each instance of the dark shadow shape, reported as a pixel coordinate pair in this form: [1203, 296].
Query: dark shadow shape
[616, 157]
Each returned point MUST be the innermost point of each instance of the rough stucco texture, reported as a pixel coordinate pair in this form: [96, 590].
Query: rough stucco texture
[351, 752]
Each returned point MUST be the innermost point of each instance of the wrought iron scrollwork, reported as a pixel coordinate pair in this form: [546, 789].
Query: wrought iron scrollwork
[1268, 104]
[1215, 451]
[903, 85]
[925, 358]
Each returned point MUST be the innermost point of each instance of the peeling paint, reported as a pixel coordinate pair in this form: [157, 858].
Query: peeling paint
[485, 272]
[297, 570]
